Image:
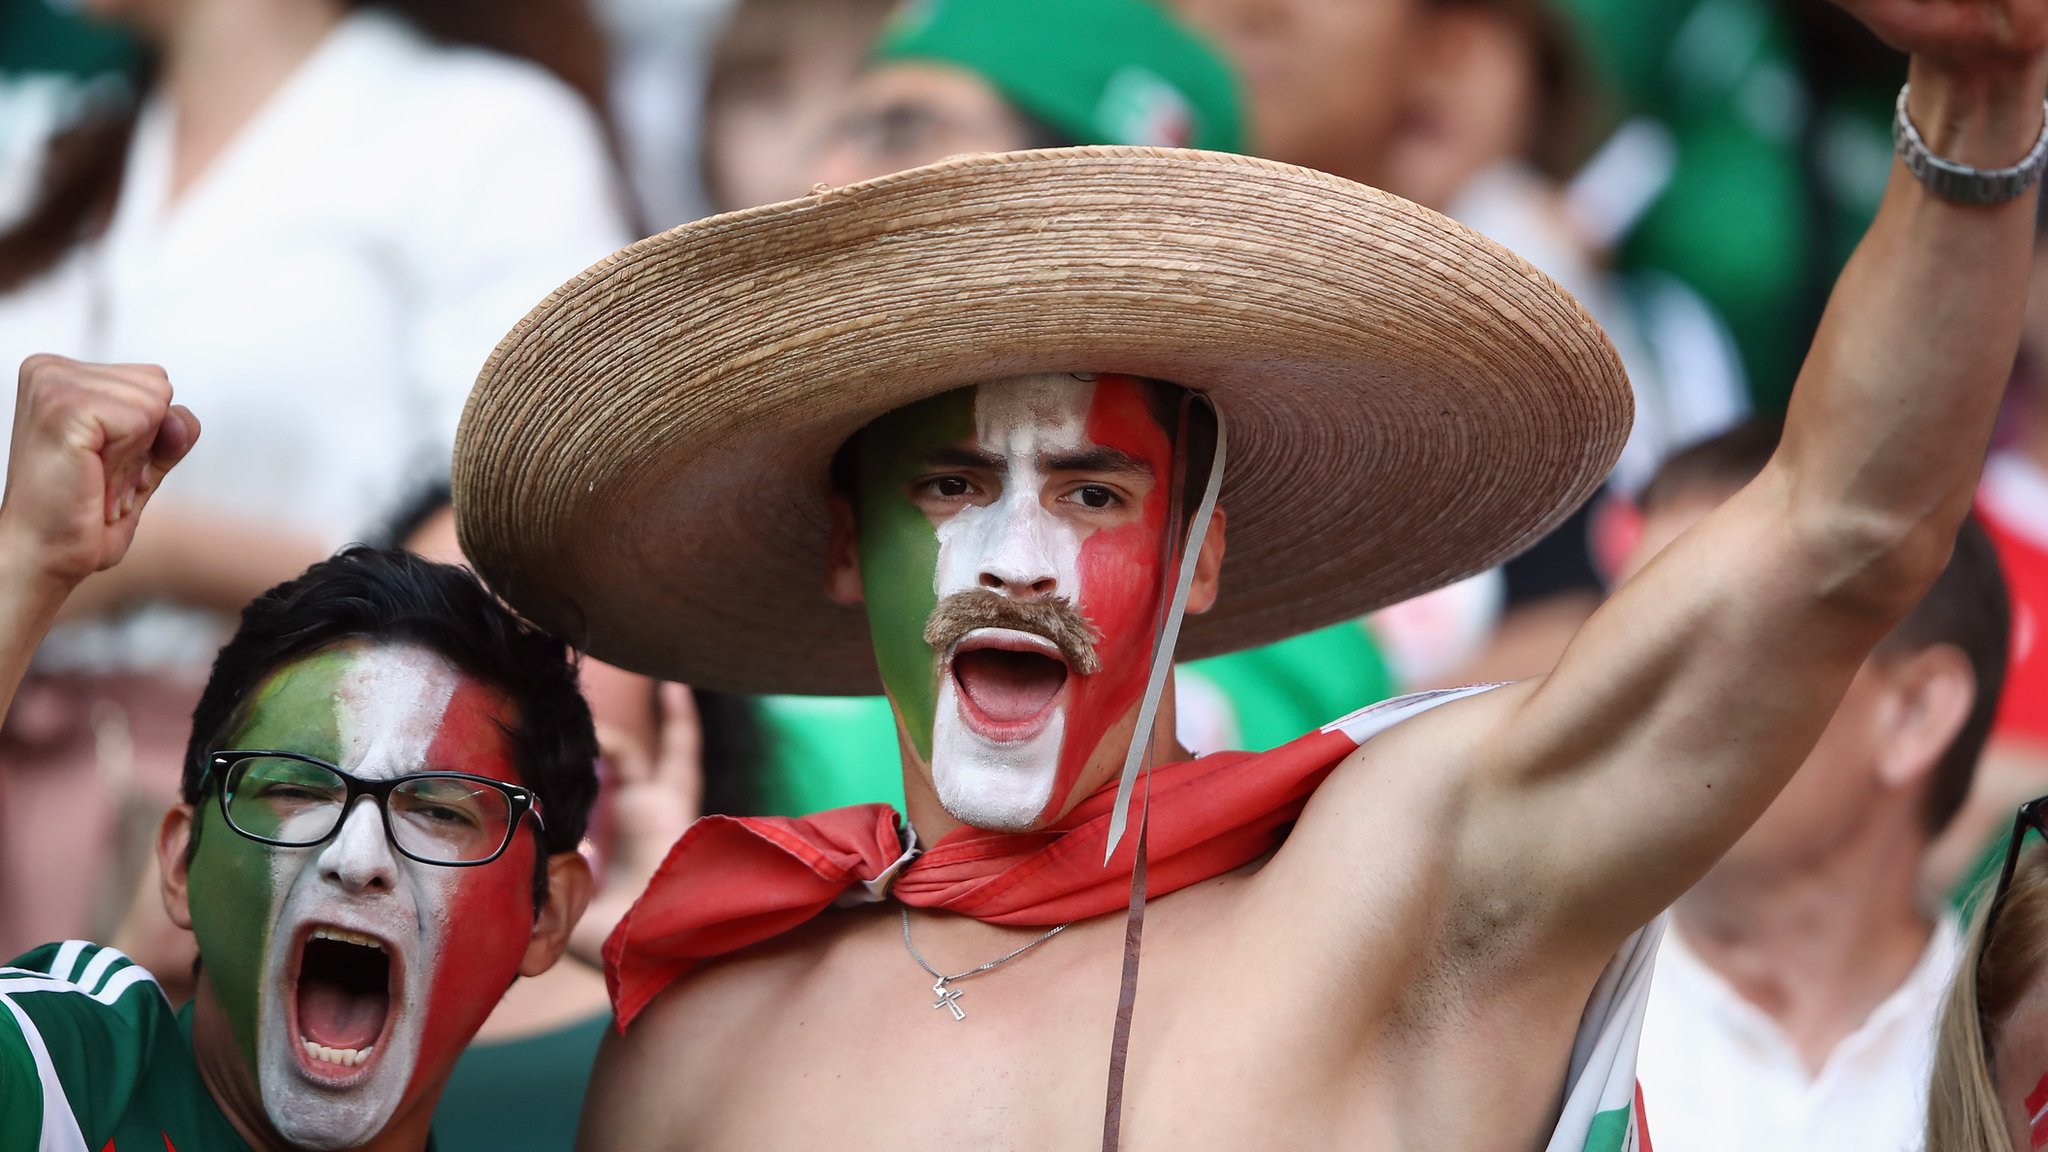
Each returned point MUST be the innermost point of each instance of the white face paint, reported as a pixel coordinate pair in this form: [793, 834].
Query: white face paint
[1001, 776]
[389, 709]
[375, 711]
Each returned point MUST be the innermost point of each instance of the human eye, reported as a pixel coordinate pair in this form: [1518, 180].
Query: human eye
[445, 802]
[1096, 497]
[287, 782]
[949, 488]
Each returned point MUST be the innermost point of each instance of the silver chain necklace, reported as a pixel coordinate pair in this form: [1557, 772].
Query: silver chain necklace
[949, 997]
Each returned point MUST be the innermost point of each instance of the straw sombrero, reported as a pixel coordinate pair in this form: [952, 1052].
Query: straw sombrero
[643, 464]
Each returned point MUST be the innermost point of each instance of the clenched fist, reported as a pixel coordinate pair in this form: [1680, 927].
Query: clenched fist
[91, 443]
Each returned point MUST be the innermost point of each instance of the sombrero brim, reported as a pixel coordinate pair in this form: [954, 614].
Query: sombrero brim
[643, 464]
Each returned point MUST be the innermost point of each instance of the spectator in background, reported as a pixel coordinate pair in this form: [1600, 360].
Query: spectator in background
[778, 71]
[2013, 503]
[321, 217]
[1498, 118]
[1496, 121]
[1989, 1091]
[1323, 81]
[1797, 991]
[55, 66]
[954, 76]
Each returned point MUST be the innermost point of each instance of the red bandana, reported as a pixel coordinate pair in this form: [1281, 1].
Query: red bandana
[735, 881]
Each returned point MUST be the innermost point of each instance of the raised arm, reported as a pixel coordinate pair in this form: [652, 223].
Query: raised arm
[91, 443]
[1680, 709]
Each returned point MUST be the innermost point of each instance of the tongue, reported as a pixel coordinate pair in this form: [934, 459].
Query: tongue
[1009, 686]
[339, 1018]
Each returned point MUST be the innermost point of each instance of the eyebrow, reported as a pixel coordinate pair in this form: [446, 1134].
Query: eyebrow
[1096, 459]
[955, 456]
[1092, 459]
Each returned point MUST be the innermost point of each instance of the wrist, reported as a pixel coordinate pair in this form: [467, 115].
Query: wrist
[29, 589]
[1982, 114]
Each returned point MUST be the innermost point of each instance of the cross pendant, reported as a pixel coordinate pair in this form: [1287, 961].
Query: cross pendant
[948, 998]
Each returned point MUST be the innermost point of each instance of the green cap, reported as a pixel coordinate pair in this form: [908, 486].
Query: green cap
[1095, 71]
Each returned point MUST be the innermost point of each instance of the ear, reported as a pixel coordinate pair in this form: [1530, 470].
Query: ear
[1933, 690]
[842, 553]
[1208, 567]
[173, 838]
[568, 895]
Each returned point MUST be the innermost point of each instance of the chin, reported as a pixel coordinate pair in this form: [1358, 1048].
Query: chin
[999, 785]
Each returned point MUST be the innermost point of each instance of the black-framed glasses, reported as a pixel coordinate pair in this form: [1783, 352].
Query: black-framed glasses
[2033, 814]
[292, 800]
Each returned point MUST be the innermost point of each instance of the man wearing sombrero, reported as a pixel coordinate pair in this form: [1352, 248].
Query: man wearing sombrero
[937, 393]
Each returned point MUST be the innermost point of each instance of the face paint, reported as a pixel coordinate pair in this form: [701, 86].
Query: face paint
[1040, 489]
[2037, 1114]
[352, 976]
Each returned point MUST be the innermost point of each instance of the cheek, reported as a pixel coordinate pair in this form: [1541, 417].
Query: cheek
[235, 890]
[478, 920]
[1120, 578]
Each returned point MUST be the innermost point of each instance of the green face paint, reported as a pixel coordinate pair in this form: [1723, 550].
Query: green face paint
[350, 975]
[236, 884]
[899, 550]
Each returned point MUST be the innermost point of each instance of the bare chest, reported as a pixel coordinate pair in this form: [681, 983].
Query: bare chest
[1232, 1046]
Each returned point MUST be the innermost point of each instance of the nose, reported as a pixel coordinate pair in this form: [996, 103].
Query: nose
[1021, 563]
[359, 857]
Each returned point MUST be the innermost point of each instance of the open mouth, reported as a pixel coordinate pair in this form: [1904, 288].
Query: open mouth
[1009, 681]
[341, 1001]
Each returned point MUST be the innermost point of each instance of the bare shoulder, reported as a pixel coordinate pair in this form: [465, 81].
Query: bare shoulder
[662, 1076]
[1431, 748]
[1378, 841]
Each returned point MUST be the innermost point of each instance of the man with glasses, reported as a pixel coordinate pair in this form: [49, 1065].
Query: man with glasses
[387, 779]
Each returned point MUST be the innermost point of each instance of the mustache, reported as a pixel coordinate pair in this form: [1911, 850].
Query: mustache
[1053, 617]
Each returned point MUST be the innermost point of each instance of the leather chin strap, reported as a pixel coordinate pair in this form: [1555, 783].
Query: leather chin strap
[1176, 610]
[1140, 753]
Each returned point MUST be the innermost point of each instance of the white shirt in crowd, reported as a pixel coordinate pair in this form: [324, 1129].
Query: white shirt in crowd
[324, 295]
[1718, 1075]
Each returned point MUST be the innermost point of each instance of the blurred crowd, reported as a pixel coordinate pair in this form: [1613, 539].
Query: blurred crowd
[321, 215]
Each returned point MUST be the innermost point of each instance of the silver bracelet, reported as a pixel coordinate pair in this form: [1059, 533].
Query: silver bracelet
[1963, 183]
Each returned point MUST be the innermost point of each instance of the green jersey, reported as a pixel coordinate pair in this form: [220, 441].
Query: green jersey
[93, 1059]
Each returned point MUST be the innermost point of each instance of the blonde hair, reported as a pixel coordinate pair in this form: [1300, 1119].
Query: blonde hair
[1964, 1113]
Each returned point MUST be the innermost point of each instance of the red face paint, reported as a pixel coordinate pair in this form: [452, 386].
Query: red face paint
[1122, 583]
[298, 940]
[1046, 488]
[487, 910]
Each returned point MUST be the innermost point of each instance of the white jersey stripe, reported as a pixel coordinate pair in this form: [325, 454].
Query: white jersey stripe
[1374, 719]
[95, 971]
[123, 980]
[129, 977]
[60, 1131]
[67, 958]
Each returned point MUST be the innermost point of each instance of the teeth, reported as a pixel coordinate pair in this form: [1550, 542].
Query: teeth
[346, 937]
[345, 1057]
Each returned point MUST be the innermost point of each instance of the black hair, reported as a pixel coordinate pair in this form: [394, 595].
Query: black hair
[1967, 607]
[393, 596]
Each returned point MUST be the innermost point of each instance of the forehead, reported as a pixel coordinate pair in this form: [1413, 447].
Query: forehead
[1032, 415]
[381, 710]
